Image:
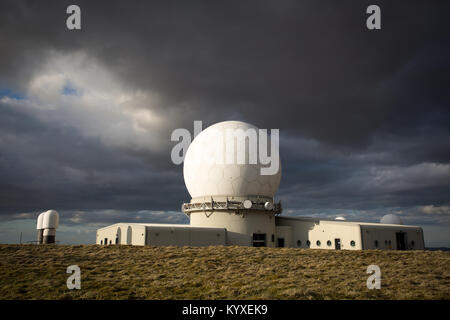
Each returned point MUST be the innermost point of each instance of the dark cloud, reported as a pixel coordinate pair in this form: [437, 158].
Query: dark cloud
[364, 115]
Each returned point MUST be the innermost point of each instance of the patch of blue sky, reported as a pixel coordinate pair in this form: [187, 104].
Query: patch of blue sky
[24, 230]
[70, 90]
[6, 92]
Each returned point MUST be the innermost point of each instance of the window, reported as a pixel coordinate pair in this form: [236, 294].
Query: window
[299, 243]
[259, 239]
[318, 243]
[273, 237]
[337, 244]
[110, 241]
[376, 243]
[412, 243]
[352, 243]
[101, 241]
[329, 243]
[308, 243]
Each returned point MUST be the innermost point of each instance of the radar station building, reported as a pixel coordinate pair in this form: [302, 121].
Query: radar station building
[234, 204]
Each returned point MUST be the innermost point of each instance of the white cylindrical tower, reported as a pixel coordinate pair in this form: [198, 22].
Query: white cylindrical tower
[223, 174]
[40, 228]
[50, 222]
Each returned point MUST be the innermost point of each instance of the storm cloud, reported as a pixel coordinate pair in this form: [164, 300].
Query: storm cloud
[86, 116]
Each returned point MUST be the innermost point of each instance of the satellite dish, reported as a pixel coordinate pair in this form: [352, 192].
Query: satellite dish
[268, 205]
[247, 204]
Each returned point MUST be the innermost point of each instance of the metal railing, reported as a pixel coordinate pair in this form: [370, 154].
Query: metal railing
[212, 205]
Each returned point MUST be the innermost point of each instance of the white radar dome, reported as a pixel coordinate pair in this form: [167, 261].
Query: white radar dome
[50, 220]
[208, 170]
[391, 219]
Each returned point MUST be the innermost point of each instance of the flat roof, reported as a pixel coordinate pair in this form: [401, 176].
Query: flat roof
[375, 224]
[166, 225]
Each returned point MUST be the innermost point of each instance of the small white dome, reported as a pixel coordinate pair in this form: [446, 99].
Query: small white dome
[340, 218]
[50, 220]
[391, 219]
[40, 221]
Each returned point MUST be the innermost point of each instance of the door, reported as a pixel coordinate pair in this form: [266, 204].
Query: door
[280, 242]
[337, 244]
[259, 239]
[401, 240]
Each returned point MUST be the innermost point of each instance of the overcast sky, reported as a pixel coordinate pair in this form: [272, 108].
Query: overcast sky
[86, 116]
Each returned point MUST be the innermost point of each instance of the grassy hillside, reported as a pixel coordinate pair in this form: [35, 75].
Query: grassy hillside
[125, 272]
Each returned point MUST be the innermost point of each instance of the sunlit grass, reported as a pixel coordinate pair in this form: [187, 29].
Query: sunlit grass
[126, 272]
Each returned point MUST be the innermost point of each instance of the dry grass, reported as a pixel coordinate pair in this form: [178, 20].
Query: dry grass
[125, 272]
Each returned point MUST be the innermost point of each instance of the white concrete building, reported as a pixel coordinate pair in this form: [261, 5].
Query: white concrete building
[161, 234]
[233, 204]
[336, 234]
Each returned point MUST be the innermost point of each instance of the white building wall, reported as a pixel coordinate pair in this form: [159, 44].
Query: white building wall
[185, 236]
[384, 237]
[240, 227]
[122, 233]
[284, 232]
[106, 235]
[160, 234]
[322, 234]
[224, 228]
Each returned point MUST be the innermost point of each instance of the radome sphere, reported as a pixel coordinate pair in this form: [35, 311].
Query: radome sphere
[391, 219]
[215, 177]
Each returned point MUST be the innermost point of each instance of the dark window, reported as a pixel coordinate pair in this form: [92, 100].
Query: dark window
[329, 243]
[259, 239]
[117, 240]
[318, 243]
[352, 243]
[273, 237]
[110, 241]
[101, 241]
[280, 242]
[376, 243]
[337, 244]
[412, 243]
[299, 243]
[106, 240]
[308, 243]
